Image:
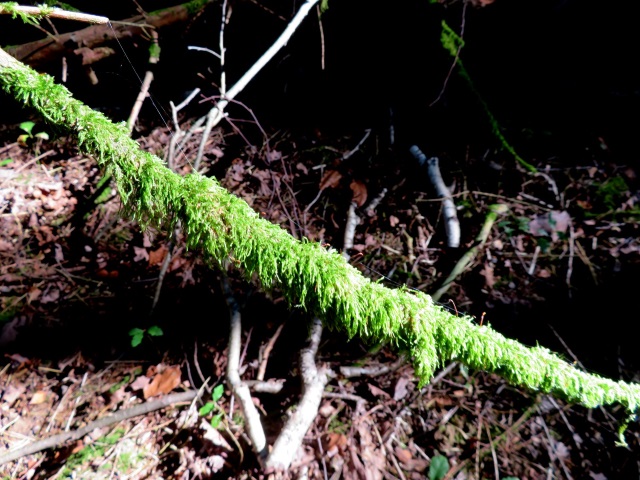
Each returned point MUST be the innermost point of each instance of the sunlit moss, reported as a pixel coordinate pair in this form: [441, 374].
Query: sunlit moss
[224, 227]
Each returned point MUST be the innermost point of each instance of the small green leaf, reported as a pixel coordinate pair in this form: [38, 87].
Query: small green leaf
[206, 409]
[5, 162]
[136, 336]
[438, 468]
[27, 127]
[155, 331]
[217, 393]
[215, 420]
[136, 340]
[42, 135]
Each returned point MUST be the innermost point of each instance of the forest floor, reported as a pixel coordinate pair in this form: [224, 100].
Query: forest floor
[77, 279]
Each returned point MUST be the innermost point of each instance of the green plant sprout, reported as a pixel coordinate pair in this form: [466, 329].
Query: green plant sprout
[438, 467]
[224, 228]
[212, 405]
[29, 138]
[138, 334]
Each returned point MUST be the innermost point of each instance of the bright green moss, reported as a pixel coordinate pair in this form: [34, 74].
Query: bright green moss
[224, 227]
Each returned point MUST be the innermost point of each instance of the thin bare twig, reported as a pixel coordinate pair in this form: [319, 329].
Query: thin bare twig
[267, 351]
[216, 114]
[59, 439]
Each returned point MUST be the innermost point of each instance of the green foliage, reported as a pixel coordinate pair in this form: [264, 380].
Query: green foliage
[5, 162]
[320, 281]
[611, 191]
[138, 334]
[438, 468]
[92, 451]
[212, 405]
[29, 137]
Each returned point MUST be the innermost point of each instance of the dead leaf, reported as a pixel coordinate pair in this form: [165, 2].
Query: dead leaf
[34, 294]
[12, 393]
[393, 220]
[487, 273]
[543, 273]
[59, 256]
[163, 382]
[378, 392]
[330, 179]
[156, 257]
[140, 254]
[326, 409]
[359, 192]
[403, 454]
[92, 55]
[140, 383]
[217, 152]
[273, 155]
[52, 295]
[214, 436]
[334, 443]
[550, 224]
[39, 397]
[266, 181]
[401, 389]
[300, 166]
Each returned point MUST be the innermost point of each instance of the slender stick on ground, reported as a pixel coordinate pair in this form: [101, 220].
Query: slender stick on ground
[451, 223]
[494, 211]
[61, 438]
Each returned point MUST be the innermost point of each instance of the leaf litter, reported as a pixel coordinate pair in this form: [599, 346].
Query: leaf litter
[77, 273]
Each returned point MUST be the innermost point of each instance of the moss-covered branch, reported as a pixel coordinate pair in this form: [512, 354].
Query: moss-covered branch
[224, 227]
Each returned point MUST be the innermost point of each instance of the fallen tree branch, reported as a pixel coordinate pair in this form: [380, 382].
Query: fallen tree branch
[57, 440]
[238, 387]
[50, 12]
[451, 223]
[314, 381]
[47, 50]
[225, 228]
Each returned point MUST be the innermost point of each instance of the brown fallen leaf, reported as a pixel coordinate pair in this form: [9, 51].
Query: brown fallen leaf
[163, 382]
[39, 397]
[403, 454]
[378, 392]
[359, 192]
[156, 257]
[330, 179]
[401, 389]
